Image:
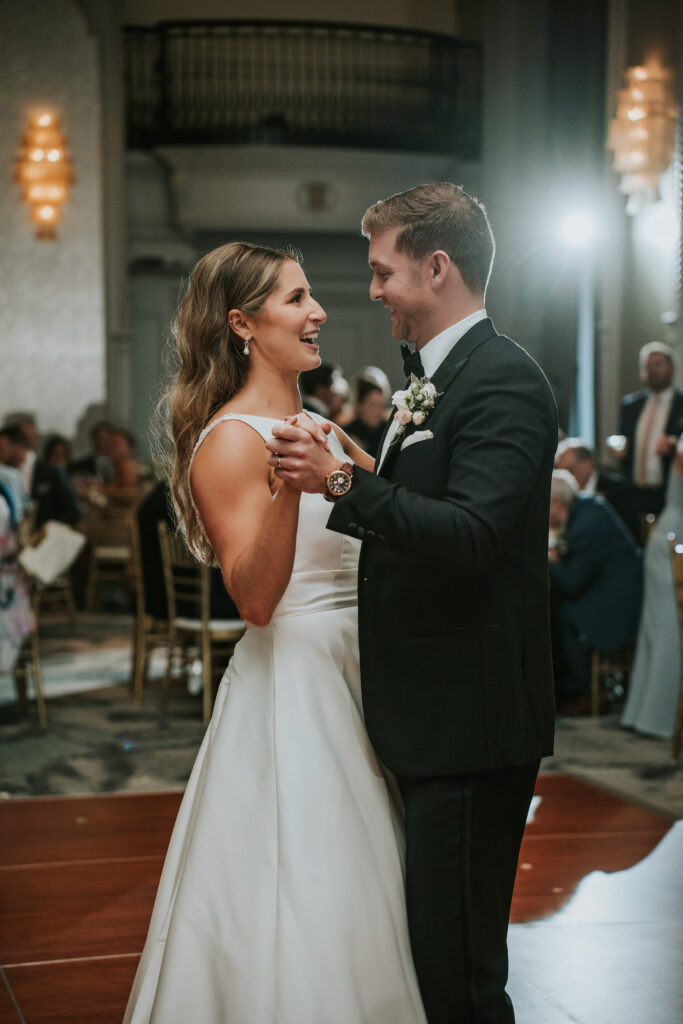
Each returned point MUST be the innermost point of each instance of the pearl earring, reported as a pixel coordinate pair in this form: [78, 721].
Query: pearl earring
[246, 347]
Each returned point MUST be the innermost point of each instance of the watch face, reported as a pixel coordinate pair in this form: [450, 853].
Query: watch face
[339, 482]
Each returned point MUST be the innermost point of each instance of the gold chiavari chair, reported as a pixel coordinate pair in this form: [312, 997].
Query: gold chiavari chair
[109, 532]
[189, 614]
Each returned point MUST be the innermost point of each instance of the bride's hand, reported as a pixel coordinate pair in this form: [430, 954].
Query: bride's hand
[298, 456]
[318, 431]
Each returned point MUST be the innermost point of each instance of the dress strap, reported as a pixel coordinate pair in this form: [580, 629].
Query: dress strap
[261, 424]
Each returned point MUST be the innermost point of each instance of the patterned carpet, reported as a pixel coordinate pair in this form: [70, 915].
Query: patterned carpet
[98, 741]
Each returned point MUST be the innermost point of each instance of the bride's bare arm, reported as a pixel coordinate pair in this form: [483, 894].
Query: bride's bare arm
[252, 533]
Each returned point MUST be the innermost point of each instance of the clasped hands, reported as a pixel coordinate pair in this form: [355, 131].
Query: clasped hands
[300, 454]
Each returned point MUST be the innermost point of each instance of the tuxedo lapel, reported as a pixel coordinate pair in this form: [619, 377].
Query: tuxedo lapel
[382, 439]
[459, 355]
[446, 373]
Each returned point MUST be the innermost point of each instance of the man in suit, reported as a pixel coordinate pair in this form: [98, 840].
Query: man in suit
[596, 586]
[651, 420]
[453, 590]
[580, 458]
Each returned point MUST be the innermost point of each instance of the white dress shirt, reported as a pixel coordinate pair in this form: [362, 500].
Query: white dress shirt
[656, 419]
[432, 355]
[591, 483]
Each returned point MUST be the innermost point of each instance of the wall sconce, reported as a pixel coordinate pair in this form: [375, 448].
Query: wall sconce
[641, 136]
[44, 171]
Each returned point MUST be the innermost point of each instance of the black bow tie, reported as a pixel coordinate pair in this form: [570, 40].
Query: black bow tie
[412, 362]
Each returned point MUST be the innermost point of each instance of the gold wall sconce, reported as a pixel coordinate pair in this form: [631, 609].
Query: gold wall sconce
[44, 171]
[641, 135]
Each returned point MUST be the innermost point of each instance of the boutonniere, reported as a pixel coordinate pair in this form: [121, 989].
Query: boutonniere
[414, 404]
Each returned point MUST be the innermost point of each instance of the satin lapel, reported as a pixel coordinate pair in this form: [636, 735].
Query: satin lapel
[382, 438]
[460, 353]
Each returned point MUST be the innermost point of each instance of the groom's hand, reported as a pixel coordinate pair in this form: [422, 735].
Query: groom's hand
[300, 455]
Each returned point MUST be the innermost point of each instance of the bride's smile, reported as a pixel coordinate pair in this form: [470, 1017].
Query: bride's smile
[286, 331]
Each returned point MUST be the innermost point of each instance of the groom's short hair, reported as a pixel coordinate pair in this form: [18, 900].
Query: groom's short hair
[439, 215]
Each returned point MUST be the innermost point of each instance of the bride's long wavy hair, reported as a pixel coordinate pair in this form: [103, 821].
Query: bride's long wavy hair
[211, 364]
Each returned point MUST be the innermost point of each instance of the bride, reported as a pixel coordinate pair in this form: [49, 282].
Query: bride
[282, 896]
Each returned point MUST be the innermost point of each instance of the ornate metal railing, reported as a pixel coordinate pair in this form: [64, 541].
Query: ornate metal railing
[299, 83]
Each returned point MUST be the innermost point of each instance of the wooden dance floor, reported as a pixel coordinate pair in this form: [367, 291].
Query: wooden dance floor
[597, 934]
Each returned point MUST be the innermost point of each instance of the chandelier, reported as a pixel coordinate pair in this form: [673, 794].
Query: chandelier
[641, 136]
[44, 171]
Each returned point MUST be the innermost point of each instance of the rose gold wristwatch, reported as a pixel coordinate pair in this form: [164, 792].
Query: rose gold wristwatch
[338, 482]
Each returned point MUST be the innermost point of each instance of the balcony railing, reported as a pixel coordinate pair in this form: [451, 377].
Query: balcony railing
[298, 83]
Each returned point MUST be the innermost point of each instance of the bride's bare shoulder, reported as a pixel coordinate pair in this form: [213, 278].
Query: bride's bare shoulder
[231, 449]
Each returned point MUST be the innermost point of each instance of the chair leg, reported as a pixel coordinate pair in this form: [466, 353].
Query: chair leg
[90, 589]
[139, 659]
[595, 683]
[207, 677]
[70, 602]
[166, 681]
[38, 678]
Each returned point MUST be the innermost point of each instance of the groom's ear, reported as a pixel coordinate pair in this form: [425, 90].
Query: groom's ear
[438, 265]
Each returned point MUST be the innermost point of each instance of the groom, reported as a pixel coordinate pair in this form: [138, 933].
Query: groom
[453, 589]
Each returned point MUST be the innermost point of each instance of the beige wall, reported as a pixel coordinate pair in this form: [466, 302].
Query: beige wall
[429, 15]
[52, 313]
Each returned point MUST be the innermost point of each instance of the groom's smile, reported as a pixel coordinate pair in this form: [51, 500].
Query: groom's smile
[397, 283]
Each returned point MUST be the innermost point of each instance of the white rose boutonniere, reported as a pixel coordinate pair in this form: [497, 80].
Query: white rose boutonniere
[414, 404]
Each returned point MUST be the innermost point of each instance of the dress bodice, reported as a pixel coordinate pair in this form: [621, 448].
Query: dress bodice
[324, 574]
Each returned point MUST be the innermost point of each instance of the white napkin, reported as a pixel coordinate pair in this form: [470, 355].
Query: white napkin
[58, 549]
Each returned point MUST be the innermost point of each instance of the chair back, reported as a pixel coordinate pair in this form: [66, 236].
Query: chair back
[109, 526]
[186, 579]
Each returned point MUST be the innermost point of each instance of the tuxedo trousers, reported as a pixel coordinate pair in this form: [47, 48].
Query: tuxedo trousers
[463, 834]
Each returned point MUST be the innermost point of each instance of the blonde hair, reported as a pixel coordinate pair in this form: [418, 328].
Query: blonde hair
[439, 215]
[212, 366]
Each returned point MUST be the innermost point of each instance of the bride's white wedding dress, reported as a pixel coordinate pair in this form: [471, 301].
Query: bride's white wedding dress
[282, 896]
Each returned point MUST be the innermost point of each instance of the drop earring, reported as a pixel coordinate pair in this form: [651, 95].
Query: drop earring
[246, 347]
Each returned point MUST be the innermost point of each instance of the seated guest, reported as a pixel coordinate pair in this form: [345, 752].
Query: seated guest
[11, 479]
[595, 586]
[26, 422]
[580, 458]
[126, 472]
[57, 453]
[324, 390]
[655, 679]
[43, 482]
[97, 465]
[370, 415]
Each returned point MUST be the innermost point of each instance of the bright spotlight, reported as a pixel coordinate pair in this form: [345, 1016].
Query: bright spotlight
[578, 229]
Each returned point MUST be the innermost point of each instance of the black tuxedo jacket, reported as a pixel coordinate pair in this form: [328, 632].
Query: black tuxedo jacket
[453, 574]
[629, 414]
